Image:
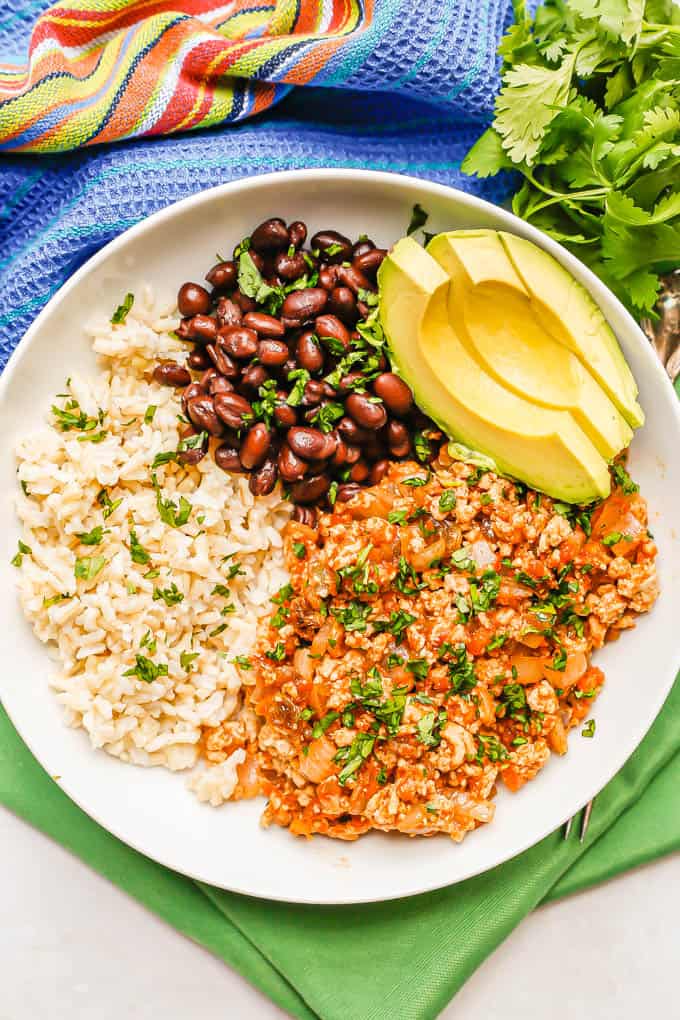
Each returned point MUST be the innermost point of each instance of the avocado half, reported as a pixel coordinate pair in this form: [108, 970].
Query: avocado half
[539, 445]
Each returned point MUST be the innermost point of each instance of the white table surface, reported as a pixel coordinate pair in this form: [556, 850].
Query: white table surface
[73, 947]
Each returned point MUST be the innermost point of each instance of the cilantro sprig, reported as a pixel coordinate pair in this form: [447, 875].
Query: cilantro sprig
[589, 114]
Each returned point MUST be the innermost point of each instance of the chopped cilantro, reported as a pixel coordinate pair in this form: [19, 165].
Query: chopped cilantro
[299, 550]
[419, 668]
[186, 659]
[107, 505]
[171, 596]
[489, 746]
[429, 726]
[322, 725]
[23, 550]
[397, 517]
[146, 670]
[447, 500]
[354, 756]
[243, 661]
[149, 413]
[121, 312]
[397, 623]
[354, 616]
[623, 479]
[94, 537]
[589, 729]
[148, 642]
[54, 599]
[88, 567]
[277, 653]
[418, 218]
[138, 553]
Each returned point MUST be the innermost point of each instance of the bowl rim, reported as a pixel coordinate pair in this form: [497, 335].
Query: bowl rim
[507, 220]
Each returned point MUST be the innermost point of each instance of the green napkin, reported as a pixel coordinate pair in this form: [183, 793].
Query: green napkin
[405, 958]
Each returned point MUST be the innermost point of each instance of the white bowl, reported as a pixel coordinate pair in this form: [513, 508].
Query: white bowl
[151, 809]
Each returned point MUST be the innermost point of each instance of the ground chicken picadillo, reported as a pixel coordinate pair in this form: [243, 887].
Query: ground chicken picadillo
[435, 639]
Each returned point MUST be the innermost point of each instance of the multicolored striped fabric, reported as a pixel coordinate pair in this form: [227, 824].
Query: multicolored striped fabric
[105, 70]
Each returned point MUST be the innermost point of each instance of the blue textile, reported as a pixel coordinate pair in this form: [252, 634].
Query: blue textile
[412, 97]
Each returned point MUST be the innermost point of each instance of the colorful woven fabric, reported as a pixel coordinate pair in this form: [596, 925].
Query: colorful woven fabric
[104, 70]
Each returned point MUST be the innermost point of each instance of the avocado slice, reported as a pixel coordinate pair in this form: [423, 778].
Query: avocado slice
[543, 447]
[494, 316]
[576, 320]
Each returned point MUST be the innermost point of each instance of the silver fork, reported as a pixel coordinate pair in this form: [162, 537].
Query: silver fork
[584, 822]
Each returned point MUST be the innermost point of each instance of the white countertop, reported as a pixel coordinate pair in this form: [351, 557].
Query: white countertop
[73, 947]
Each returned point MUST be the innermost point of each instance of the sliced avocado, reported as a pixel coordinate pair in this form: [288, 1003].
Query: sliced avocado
[576, 320]
[494, 316]
[543, 447]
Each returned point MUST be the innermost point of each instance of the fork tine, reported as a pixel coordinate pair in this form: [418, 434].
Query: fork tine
[567, 827]
[586, 819]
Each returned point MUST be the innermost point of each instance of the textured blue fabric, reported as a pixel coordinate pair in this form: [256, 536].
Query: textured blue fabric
[369, 112]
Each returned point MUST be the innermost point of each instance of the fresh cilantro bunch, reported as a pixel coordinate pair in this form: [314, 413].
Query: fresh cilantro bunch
[589, 114]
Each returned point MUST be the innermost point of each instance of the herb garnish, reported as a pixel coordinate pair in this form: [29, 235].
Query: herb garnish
[121, 312]
[172, 596]
[138, 553]
[94, 537]
[146, 670]
[23, 550]
[87, 568]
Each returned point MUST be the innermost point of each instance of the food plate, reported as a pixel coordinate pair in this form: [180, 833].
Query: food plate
[150, 809]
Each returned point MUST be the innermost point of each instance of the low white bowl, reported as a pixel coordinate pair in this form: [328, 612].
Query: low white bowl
[151, 809]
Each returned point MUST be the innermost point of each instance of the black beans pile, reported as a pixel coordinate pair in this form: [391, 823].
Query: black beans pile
[288, 368]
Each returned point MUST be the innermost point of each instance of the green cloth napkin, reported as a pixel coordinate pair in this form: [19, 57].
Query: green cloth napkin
[403, 959]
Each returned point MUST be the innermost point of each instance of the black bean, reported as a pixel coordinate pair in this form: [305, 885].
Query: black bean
[223, 276]
[398, 439]
[272, 235]
[311, 444]
[303, 305]
[308, 352]
[192, 299]
[352, 433]
[233, 409]
[354, 279]
[264, 325]
[227, 458]
[245, 303]
[219, 384]
[341, 302]
[183, 332]
[309, 490]
[194, 389]
[255, 446]
[361, 247]
[339, 245]
[228, 312]
[369, 262]
[313, 393]
[297, 233]
[350, 382]
[169, 373]
[285, 415]
[272, 352]
[394, 393]
[201, 411]
[330, 327]
[359, 471]
[340, 455]
[328, 277]
[291, 467]
[198, 360]
[290, 267]
[239, 342]
[253, 377]
[195, 453]
[353, 453]
[203, 327]
[366, 414]
[221, 360]
[347, 491]
[263, 480]
[207, 377]
[378, 471]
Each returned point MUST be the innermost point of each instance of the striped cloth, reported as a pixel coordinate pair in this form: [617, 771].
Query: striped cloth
[400, 85]
[104, 70]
